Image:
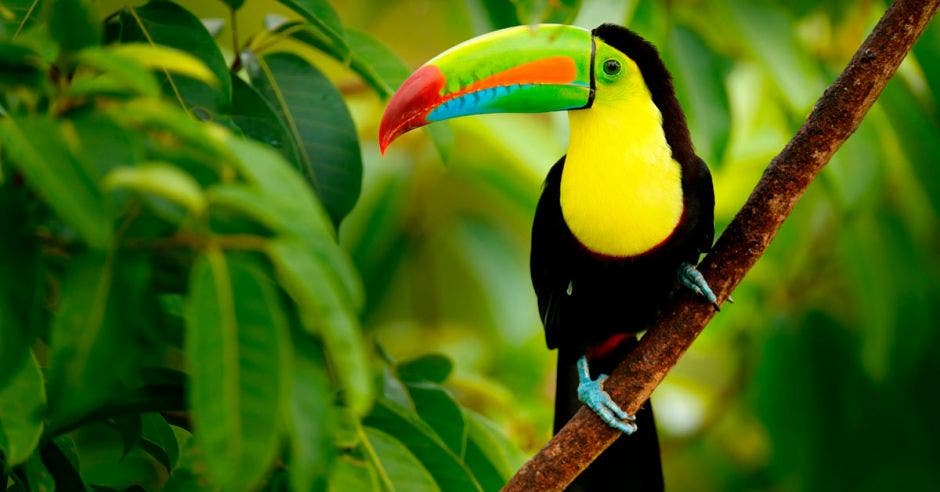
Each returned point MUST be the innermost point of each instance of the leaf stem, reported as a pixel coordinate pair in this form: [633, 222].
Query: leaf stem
[374, 458]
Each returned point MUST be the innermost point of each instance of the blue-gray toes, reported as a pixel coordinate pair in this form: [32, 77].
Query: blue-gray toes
[694, 281]
[591, 393]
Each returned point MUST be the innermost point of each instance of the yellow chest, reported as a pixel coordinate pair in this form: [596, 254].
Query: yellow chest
[621, 190]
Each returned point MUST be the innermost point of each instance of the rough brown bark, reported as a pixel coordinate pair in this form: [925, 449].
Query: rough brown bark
[836, 115]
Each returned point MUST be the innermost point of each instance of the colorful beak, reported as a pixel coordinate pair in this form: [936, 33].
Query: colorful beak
[524, 69]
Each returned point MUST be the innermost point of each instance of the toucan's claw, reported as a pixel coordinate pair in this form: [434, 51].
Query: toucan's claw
[591, 393]
[694, 281]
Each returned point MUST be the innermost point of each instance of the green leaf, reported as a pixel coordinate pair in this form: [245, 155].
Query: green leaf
[237, 347]
[17, 15]
[441, 411]
[97, 343]
[433, 368]
[258, 120]
[490, 455]
[699, 73]
[324, 313]
[20, 66]
[170, 60]
[38, 148]
[73, 24]
[168, 24]
[281, 189]
[320, 14]
[22, 403]
[378, 66]
[23, 280]
[397, 468]
[446, 468]
[119, 70]
[350, 474]
[311, 420]
[501, 13]
[60, 460]
[158, 440]
[128, 426]
[319, 125]
[159, 179]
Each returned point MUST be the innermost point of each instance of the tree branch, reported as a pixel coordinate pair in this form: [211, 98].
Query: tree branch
[836, 115]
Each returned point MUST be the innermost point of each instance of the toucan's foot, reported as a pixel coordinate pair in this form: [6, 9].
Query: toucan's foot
[694, 281]
[591, 393]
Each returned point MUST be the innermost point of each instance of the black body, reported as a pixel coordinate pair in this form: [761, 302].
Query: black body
[585, 298]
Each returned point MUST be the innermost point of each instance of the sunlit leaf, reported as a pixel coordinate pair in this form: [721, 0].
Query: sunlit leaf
[173, 61]
[22, 403]
[117, 68]
[319, 125]
[397, 468]
[170, 25]
[159, 179]
[236, 344]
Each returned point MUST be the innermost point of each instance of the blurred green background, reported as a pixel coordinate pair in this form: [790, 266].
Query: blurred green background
[823, 373]
[821, 376]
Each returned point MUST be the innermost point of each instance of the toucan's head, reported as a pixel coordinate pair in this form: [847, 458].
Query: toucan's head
[532, 69]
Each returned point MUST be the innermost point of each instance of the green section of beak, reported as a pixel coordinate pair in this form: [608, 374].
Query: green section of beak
[524, 69]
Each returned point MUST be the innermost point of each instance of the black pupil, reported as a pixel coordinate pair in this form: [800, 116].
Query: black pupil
[611, 67]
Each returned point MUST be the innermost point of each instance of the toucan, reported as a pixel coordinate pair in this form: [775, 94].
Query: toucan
[622, 219]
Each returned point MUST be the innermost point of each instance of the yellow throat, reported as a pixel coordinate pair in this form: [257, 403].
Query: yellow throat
[621, 190]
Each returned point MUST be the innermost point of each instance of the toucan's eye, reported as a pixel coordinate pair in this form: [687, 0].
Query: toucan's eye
[611, 67]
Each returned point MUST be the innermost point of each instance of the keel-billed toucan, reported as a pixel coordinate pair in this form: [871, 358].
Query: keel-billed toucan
[622, 218]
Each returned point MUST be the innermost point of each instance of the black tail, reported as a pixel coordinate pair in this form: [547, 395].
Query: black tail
[632, 463]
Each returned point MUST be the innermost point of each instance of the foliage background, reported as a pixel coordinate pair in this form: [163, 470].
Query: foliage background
[821, 376]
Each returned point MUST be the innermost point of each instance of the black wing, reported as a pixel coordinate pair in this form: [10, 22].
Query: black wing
[549, 267]
[702, 198]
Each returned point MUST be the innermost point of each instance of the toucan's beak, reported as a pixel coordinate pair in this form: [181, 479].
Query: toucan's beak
[524, 69]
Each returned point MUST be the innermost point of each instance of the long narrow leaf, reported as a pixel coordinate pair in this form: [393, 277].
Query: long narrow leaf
[236, 344]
